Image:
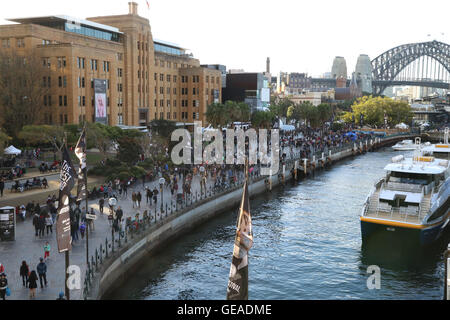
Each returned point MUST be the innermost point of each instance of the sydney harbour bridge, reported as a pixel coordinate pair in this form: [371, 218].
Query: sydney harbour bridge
[425, 64]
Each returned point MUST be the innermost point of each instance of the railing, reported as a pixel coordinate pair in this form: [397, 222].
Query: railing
[138, 226]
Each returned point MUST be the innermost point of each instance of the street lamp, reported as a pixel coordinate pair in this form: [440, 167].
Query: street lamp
[161, 184]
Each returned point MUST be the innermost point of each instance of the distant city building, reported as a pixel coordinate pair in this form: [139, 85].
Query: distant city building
[363, 71]
[145, 79]
[251, 88]
[339, 68]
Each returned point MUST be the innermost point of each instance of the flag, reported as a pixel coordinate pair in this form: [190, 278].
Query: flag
[238, 282]
[148, 5]
[80, 152]
[67, 181]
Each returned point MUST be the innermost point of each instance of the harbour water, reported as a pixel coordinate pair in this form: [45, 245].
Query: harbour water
[307, 245]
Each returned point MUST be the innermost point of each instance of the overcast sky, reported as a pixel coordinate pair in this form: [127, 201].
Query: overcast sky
[298, 36]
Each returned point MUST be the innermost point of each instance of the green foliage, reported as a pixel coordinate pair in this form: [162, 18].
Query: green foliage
[163, 128]
[221, 115]
[129, 150]
[262, 119]
[374, 108]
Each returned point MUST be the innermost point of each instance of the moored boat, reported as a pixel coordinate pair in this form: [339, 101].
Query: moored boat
[412, 202]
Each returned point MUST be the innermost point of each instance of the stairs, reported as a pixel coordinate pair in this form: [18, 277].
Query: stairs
[425, 205]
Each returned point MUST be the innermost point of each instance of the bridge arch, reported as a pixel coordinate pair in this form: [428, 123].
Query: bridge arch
[387, 66]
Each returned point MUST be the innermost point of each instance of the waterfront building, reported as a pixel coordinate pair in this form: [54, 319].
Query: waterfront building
[145, 79]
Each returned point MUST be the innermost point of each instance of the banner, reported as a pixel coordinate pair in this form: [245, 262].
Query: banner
[80, 152]
[67, 181]
[238, 283]
[100, 101]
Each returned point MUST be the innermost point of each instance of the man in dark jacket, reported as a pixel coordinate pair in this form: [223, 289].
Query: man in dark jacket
[41, 225]
[36, 223]
[42, 272]
[149, 195]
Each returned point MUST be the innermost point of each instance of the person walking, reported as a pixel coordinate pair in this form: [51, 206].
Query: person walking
[2, 186]
[119, 213]
[49, 223]
[46, 251]
[24, 272]
[133, 199]
[149, 195]
[139, 198]
[91, 221]
[3, 286]
[32, 284]
[41, 225]
[155, 195]
[36, 223]
[125, 190]
[101, 203]
[42, 271]
[82, 229]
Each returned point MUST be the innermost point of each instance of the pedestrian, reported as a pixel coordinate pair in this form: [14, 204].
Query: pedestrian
[42, 272]
[24, 271]
[2, 268]
[36, 223]
[119, 214]
[23, 212]
[125, 190]
[41, 224]
[32, 284]
[46, 251]
[49, 223]
[2, 186]
[134, 199]
[101, 203]
[149, 195]
[3, 286]
[139, 198]
[155, 195]
[82, 229]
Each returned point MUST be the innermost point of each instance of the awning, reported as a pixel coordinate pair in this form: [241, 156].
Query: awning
[12, 150]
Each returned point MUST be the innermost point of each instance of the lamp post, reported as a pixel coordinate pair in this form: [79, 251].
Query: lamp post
[161, 185]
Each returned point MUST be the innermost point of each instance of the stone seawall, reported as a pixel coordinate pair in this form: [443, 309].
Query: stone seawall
[114, 270]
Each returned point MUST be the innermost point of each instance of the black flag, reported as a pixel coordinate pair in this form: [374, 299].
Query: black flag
[238, 282]
[67, 182]
[80, 151]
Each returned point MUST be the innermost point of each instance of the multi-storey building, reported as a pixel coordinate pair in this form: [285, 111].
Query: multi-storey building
[145, 79]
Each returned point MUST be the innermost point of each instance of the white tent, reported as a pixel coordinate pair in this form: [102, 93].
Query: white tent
[402, 126]
[286, 127]
[12, 150]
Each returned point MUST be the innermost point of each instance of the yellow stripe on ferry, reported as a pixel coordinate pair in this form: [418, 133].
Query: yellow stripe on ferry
[442, 146]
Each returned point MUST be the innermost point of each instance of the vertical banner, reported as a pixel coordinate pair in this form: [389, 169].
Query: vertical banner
[80, 151]
[67, 181]
[238, 282]
[100, 101]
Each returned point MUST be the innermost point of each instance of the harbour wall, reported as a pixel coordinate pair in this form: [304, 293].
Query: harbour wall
[114, 270]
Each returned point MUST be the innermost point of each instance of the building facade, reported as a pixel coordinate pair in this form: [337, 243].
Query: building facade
[145, 79]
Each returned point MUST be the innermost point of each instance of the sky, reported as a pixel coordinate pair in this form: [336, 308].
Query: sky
[298, 36]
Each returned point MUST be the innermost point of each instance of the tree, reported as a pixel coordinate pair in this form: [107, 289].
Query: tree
[279, 108]
[99, 136]
[44, 134]
[374, 109]
[262, 119]
[163, 127]
[24, 82]
[129, 150]
[4, 138]
[324, 112]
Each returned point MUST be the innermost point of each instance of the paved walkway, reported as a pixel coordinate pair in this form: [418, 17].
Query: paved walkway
[30, 248]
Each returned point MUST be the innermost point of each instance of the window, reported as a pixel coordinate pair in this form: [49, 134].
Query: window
[161, 103]
[212, 79]
[20, 43]
[83, 62]
[161, 115]
[44, 82]
[168, 78]
[174, 78]
[139, 74]
[175, 91]
[60, 101]
[65, 101]
[162, 63]
[161, 77]
[168, 90]
[156, 64]
[49, 101]
[120, 119]
[60, 82]
[161, 90]
[119, 56]
[139, 45]
[168, 115]
[105, 66]
[84, 101]
[79, 101]
[175, 104]
[5, 43]
[168, 103]
[94, 64]
[119, 72]
[61, 62]
[155, 76]
[64, 81]
[45, 100]
[156, 103]
[169, 65]
[174, 116]
[83, 83]
[119, 87]
[46, 62]
[65, 118]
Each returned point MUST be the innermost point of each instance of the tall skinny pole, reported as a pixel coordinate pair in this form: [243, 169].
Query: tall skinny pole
[67, 257]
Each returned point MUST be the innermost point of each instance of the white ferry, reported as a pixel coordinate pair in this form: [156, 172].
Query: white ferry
[407, 145]
[413, 201]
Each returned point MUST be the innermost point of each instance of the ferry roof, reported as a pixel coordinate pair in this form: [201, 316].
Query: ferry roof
[420, 167]
[440, 147]
[46, 19]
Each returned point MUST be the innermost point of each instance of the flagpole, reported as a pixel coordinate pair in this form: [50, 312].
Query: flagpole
[86, 199]
[67, 256]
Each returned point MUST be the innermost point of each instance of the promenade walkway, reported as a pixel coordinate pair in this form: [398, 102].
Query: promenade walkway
[30, 248]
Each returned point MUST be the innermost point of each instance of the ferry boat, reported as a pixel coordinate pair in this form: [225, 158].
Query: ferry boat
[407, 145]
[412, 202]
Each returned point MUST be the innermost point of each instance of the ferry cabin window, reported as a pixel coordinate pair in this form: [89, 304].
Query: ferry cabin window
[442, 155]
[411, 178]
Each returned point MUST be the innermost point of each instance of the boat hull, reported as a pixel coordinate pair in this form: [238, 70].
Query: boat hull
[371, 231]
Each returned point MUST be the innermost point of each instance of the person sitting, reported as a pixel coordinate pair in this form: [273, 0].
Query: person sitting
[27, 184]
